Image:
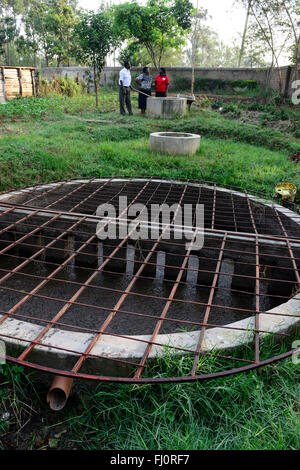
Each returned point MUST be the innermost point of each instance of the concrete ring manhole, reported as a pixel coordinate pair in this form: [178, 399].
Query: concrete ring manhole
[166, 107]
[174, 143]
[79, 304]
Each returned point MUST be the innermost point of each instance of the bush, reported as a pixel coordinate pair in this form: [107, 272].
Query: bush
[64, 85]
[255, 106]
[217, 104]
[252, 84]
[204, 102]
[248, 84]
[209, 84]
[232, 108]
[182, 83]
[214, 84]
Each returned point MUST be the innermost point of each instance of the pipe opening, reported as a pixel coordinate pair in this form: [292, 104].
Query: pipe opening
[59, 392]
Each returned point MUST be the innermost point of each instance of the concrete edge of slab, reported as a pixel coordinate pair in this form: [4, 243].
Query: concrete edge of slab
[277, 320]
[283, 318]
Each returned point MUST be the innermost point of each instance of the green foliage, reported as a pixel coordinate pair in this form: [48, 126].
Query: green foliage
[28, 108]
[232, 108]
[182, 10]
[135, 54]
[274, 114]
[64, 85]
[213, 84]
[155, 26]
[204, 102]
[49, 26]
[238, 131]
[217, 104]
[182, 83]
[250, 411]
[8, 32]
[95, 37]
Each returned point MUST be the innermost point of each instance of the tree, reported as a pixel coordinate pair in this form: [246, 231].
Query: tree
[95, 37]
[274, 24]
[8, 25]
[268, 16]
[48, 26]
[61, 20]
[245, 32]
[155, 26]
[291, 23]
[210, 51]
[8, 33]
[138, 56]
[135, 54]
[200, 15]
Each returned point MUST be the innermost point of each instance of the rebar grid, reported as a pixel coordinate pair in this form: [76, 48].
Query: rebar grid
[54, 227]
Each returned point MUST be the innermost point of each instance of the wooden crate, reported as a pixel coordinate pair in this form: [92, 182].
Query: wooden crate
[17, 81]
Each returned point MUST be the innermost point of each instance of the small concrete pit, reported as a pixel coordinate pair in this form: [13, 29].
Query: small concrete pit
[166, 108]
[105, 309]
[174, 143]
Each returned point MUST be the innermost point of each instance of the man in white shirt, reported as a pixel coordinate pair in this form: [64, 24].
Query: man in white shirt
[124, 89]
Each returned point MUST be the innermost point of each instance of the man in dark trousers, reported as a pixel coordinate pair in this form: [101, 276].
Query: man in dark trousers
[124, 89]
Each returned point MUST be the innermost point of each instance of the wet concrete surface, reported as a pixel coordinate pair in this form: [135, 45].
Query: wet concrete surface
[145, 298]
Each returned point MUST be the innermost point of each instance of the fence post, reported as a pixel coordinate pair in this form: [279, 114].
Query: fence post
[20, 80]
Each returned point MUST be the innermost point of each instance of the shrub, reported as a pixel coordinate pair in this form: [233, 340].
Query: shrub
[211, 84]
[182, 83]
[204, 102]
[64, 85]
[252, 84]
[217, 104]
[231, 108]
[255, 106]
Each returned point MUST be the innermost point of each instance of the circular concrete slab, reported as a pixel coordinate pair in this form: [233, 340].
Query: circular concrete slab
[61, 347]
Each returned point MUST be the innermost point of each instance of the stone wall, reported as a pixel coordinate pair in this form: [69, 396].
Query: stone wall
[110, 74]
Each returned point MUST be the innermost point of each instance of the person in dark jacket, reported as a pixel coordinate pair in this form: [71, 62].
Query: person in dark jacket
[144, 81]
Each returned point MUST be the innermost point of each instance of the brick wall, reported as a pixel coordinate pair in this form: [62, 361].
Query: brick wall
[109, 74]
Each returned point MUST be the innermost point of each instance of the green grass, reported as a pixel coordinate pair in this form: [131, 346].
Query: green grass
[256, 410]
[48, 139]
[58, 144]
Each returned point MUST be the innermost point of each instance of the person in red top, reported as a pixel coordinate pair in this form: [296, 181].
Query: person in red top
[161, 83]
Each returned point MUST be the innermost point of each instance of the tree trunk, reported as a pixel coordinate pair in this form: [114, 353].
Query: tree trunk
[7, 53]
[194, 37]
[244, 33]
[298, 60]
[96, 87]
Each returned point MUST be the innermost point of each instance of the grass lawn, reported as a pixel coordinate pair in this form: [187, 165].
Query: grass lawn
[50, 139]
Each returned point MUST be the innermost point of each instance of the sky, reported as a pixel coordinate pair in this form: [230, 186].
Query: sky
[227, 20]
